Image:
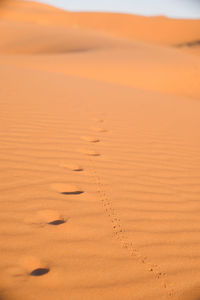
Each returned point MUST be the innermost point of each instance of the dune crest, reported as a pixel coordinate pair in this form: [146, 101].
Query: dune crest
[160, 30]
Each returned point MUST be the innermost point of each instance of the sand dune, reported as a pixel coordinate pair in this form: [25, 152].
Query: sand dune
[162, 69]
[99, 156]
[159, 30]
[22, 38]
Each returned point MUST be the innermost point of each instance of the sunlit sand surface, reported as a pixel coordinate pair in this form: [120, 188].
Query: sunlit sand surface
[100, 156]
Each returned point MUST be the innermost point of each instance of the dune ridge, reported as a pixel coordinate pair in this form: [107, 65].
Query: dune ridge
[160, 30]
[99, 156]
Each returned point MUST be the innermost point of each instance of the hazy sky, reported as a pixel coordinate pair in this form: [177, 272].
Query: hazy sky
[171, 8]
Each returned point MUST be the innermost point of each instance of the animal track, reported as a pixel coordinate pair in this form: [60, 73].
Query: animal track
[120, 234]
[66, 189]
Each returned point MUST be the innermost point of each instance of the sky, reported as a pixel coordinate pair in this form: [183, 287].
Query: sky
[170, 8]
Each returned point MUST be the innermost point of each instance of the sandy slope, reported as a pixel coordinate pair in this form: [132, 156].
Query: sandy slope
[159, 30]
[99, 157]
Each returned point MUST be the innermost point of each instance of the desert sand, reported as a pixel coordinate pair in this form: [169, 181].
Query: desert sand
[100, 155]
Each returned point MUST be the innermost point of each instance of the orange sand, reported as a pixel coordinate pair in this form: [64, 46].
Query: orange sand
[100, 156]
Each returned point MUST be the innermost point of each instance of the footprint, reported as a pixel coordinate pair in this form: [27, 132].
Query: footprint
[98, 120]
[99, 129]
[72, 167]
[33, 266]
[91, 152]
[67, 189]
[56, 222]
[39, 272]
[90, 139]
[50, 217]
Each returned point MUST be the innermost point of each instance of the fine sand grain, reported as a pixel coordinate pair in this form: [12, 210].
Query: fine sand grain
[100, 156]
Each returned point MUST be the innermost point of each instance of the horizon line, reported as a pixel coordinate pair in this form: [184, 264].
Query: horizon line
[126, 12]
